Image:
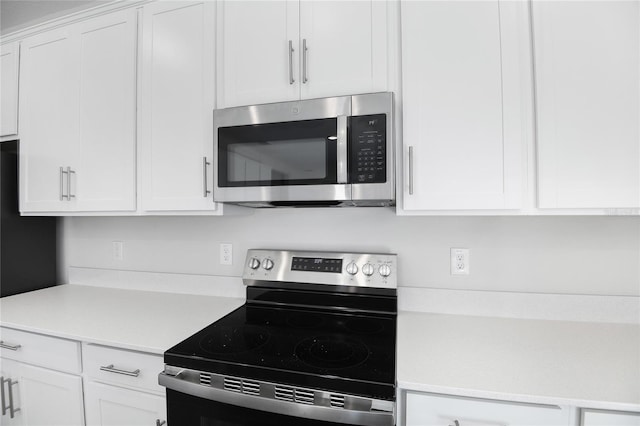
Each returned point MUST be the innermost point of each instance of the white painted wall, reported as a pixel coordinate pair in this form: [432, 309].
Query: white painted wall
[564, 255]
[19, 14]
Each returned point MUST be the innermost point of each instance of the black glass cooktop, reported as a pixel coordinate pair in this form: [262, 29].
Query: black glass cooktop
[310, 347]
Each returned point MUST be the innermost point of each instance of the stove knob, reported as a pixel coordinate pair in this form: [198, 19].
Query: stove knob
[267, 264]
[367, 269]
[254, 263]
[352, 268]
[384, 270]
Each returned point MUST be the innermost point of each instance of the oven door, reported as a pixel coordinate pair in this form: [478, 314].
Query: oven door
[188, 410]
[293, 151]
[191, 403]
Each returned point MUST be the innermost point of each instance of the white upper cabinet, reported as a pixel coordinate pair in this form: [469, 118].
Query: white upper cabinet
[270, 51]
[465, 78]
[77, 117]
[176, 106]
[9, 59]
[107, 122]
[257, 52]
[343, 47]
[587, 71]
[48, 119]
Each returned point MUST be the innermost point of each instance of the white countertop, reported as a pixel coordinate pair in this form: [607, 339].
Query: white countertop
[138, 320]
[594, 365]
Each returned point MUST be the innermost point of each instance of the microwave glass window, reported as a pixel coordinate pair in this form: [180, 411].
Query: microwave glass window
[283, 160]
[275, 154]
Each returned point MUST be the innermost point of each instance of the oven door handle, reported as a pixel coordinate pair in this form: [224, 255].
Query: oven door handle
[184, 383]
[341, 150]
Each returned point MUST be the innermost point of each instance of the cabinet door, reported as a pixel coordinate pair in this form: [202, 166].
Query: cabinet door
[112, 406]
[44, 397]
[9, 374]
[104, 178]
[177, 101]
[587, 62]
[440, 410]
[9, 57]
[254, 61]
[464, 81]
[609, 418]
[48, 119]
[348, 56]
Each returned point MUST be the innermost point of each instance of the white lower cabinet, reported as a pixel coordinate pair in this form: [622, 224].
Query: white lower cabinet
[114, 406]
[609, 418]
[121, 387]
[442, 410]
[38, 395]
[41, 397]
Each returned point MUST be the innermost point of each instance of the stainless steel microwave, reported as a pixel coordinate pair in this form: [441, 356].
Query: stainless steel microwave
[320, 152]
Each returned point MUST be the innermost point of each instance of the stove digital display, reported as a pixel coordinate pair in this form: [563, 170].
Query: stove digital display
[316, 264]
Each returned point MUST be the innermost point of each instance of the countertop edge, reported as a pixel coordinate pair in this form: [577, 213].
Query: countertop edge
[84, 339]
[407, 386]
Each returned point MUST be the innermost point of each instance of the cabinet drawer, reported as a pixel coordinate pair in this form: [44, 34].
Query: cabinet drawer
[443, 410]
[124, 368]
[37, 349]
[609, 418]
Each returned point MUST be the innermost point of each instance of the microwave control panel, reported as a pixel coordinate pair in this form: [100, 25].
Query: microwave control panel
[368, 136]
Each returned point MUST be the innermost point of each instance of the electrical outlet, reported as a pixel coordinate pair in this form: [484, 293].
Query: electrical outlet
[118, 250]
[226, 253]
[459, 261]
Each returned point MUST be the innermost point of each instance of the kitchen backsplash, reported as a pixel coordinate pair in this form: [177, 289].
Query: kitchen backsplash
[564, 255]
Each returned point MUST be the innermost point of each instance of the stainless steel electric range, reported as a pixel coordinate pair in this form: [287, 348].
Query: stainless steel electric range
[315, 344]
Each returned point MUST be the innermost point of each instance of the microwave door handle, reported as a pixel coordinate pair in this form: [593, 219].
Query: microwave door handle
[341, 150]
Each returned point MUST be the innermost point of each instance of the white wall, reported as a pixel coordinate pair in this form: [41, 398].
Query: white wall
[19, 14]
[567, 255]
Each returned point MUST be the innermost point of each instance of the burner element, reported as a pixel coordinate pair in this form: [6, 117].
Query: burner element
[229, 340]
[331, 352]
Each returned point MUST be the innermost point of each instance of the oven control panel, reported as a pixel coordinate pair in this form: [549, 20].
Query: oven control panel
[331, 268]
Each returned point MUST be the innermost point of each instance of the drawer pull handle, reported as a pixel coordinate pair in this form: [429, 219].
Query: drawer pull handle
[455, 423]
[111, 369]
[160, 422]
[4, 345]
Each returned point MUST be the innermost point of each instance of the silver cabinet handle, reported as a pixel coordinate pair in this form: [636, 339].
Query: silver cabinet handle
[411, 173]
[455, 423]
[69, 173]
[12, 411]
[62, 194]
[304, 61]
[205, 163]
[10, 407]
[160, 422]
[4, 407]
[111, 369]
[4, 345]
[291, 80]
